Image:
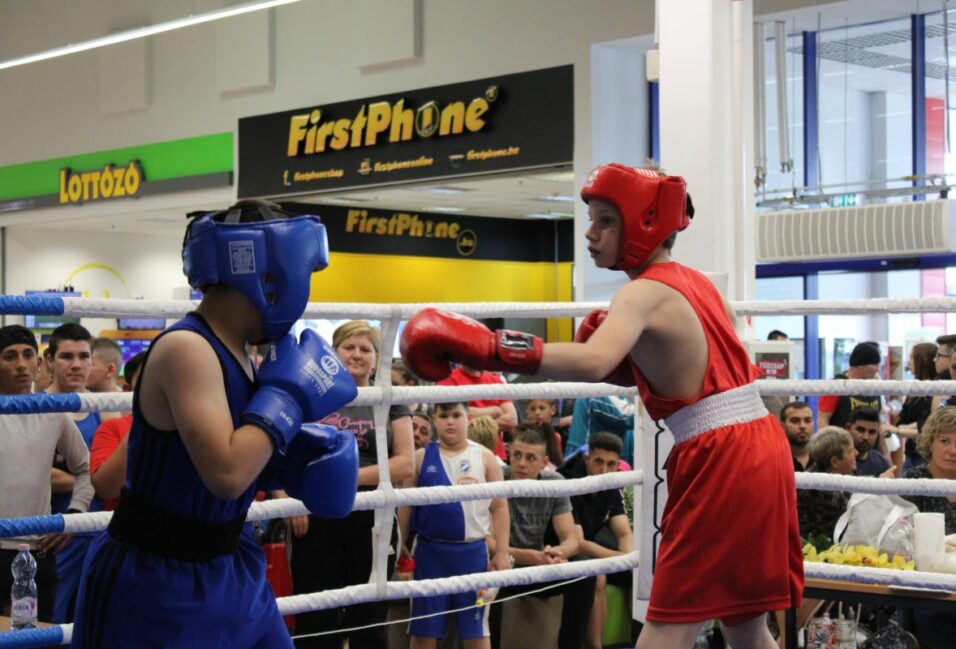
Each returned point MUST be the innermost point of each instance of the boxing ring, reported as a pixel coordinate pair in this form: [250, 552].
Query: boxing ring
[652, 442]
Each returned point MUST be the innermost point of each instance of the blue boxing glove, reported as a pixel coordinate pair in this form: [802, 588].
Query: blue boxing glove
[321, 470]
[299, 382]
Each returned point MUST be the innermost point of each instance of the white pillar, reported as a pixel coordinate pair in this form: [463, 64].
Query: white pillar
[706, 122]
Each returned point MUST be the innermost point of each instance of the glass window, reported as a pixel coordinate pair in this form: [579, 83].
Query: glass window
[777, 177]
[939, 157]
[864, 110]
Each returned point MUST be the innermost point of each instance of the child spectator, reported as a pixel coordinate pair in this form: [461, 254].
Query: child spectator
[484, 430]
[451, 536]
[534, 621]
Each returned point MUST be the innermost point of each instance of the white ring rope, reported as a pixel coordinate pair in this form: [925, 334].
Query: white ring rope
[463, 583]
[123, 401]
[886, 576]
[863, 387]
[112, 308]
[871, 306]
[415, 496]
[105, 401]
[868, 485]
[418, 496]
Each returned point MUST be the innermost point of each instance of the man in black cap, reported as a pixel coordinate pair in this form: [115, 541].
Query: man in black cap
[27, 445]
[864, 364]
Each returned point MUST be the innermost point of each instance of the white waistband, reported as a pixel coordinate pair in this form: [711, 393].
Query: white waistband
[736, 406]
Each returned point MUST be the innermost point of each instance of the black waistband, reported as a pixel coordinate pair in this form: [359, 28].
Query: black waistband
[159, 531]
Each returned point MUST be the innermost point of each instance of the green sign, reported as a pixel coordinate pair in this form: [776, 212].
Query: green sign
[178, 165]
[844, 200]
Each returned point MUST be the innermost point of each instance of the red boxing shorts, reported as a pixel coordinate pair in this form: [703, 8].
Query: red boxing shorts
[730, 543]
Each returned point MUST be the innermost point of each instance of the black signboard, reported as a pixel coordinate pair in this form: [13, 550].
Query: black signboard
[515, 121]
[425, 234]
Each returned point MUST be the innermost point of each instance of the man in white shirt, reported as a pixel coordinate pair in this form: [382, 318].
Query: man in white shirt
[27, 445]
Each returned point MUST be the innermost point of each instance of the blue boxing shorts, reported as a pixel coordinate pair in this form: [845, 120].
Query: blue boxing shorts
[435, 559]
[131, 598]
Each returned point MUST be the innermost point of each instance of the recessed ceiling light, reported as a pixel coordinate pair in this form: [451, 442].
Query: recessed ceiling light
[556, 198]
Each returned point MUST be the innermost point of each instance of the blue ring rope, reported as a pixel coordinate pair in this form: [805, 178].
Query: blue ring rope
[31, 305]
[27, 404]
[42, 637]
[31, 525]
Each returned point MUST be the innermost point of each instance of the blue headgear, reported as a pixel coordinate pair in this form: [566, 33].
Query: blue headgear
[266, 254]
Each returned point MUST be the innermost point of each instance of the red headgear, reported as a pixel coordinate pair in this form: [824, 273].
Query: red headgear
[652, 208]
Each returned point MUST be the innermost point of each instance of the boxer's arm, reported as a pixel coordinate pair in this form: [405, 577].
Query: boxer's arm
[627, 317]
[185, 376]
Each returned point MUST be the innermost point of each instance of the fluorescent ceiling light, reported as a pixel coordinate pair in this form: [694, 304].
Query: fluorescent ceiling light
[143, 32]
[550, 216]
[347, 200]
[556, 177]
[447, 208]
[443, 190]
[556, 198]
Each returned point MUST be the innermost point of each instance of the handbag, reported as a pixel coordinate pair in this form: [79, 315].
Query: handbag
[883, 522]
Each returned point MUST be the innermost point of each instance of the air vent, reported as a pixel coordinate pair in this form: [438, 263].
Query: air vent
[872, 231]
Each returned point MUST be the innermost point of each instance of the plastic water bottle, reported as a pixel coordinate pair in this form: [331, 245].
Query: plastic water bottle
[23, 594]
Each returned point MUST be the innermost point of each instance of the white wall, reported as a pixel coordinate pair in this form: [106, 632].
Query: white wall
[618, 133]
[117, 265]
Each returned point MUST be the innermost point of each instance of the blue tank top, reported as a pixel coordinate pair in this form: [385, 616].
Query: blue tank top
[455, 521]
[159, 469]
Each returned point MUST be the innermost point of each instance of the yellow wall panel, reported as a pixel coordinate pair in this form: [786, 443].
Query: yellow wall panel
[354, 277]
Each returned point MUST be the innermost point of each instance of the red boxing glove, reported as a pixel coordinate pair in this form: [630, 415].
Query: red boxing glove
[589, 325]
[434, 339]
[622, 374]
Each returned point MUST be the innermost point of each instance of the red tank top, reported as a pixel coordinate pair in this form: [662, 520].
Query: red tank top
[728, 365]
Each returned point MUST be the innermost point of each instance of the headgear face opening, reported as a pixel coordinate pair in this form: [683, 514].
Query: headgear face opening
[652, 208]
[266, 254]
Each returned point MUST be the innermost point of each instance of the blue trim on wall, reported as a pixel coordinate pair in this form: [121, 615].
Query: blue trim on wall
[798, 268]
[654, 121]
[811, 336]
[918, 95]
[810, 117]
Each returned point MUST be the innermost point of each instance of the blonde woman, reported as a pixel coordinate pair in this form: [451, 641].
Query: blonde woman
[330, 553]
